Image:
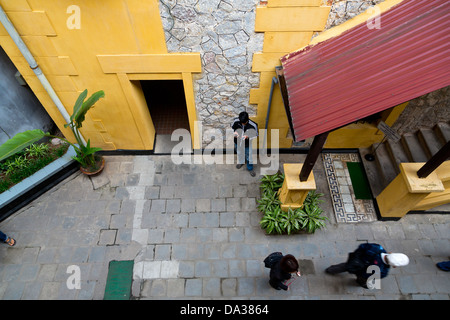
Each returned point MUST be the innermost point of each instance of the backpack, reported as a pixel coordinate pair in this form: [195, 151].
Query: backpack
[272, 259]
[364, 256]
[356, 263]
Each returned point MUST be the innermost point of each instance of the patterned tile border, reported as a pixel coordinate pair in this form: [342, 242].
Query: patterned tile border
[346, 208]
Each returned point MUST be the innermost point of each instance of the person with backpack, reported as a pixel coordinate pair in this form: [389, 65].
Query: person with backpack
[366, 255]
[281, 269]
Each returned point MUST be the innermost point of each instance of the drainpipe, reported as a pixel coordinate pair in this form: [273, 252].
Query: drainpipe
[274, 81]
[33, 65]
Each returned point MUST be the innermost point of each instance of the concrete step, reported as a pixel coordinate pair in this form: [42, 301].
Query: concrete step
[396, 153]
[384, 164]
[413, 148]
[372, 173]
[429, 141]
[442, 130]
[418, 147]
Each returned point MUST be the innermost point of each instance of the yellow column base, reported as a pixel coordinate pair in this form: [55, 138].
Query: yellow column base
[406, 191]
[436, 199]
[293, 192]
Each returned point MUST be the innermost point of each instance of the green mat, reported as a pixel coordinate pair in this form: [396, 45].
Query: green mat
[118, 283]
[359, 180]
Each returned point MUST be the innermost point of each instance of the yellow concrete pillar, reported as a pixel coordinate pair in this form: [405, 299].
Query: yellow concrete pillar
[294, 192]
[438, 198]
[406, 191]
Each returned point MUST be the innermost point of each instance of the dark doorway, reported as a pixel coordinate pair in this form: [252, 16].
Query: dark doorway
[167, 105]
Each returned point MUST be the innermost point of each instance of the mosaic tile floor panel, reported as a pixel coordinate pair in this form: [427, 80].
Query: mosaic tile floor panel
[346, 207]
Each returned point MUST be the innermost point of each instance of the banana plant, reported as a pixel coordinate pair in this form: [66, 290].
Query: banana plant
[85, 154]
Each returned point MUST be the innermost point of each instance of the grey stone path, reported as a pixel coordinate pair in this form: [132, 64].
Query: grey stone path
[193, 232]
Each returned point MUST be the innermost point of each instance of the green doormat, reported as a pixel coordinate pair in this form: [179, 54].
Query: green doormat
[120, 277]
[359, 181]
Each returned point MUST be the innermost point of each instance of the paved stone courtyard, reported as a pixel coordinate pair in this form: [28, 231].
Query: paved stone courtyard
[193, 232]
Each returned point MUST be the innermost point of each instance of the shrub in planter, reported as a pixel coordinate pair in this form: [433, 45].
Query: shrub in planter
[85, 154]
[308, 217]
[276, 220]
[311, 213]
[25, 163]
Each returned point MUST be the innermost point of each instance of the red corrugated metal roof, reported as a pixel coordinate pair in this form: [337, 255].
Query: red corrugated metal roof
[364, 71]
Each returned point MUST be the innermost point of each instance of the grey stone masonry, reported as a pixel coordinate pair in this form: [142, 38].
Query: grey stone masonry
[223, 32]
[343, 10]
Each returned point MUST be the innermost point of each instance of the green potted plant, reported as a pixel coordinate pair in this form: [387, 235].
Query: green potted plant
[307, 218]
[311, 217]
[85, 154]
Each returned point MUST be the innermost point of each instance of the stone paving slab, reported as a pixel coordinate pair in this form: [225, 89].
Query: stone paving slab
[193, 233]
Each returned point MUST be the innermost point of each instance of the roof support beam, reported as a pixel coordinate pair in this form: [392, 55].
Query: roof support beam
[313, 154]
[285, 97]
[435, 161]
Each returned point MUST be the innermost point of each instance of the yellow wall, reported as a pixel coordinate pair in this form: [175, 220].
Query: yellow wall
[287, 26]
[363, 135]
[355, 135]
[120, 42]
[112, 35]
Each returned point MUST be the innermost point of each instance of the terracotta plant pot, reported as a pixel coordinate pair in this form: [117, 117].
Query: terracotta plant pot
[100, 165]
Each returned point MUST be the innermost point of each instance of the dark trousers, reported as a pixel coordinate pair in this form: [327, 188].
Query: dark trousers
[342, 267]
[337, 268]
[3, 237]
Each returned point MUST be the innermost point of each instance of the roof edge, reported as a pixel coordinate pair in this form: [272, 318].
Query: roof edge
[347, 25]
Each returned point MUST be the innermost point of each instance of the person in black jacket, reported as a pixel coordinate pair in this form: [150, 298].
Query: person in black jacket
[366, 255]
[245, 130]
[282, 271]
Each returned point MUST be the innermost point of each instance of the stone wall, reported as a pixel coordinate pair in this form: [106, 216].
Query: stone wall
[223, 33]
[343, 10]
[425, 111]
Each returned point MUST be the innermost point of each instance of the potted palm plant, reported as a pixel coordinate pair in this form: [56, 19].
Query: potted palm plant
[86, 155]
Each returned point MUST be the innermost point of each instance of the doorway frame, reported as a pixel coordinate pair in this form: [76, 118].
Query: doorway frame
[130, 69]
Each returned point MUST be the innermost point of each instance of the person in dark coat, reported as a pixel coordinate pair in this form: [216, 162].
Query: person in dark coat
[444, 265]
[282, 271]
[366, 255]
[245, 130]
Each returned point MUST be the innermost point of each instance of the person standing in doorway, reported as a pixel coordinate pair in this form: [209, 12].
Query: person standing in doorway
[366, 255]
[245, 130]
